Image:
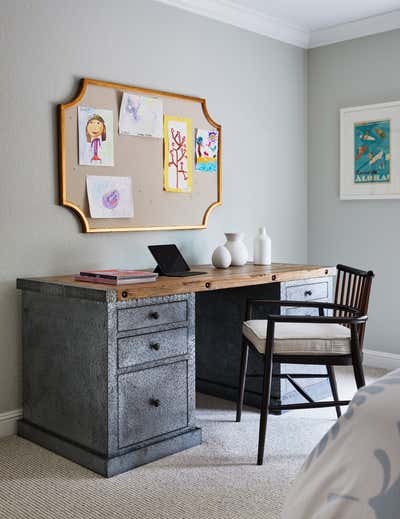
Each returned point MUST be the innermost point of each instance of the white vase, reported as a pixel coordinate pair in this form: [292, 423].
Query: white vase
[262, 248]
[221, 258]
[237, 248]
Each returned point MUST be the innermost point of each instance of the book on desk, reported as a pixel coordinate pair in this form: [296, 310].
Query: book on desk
[116, 276]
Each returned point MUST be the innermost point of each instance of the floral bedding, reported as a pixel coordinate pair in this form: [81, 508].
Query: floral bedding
[354, 471]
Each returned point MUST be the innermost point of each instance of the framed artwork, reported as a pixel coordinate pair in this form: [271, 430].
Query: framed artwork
[370, 152]
[177, 154]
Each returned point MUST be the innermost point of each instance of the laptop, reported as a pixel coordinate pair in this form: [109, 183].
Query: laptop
[170, 261]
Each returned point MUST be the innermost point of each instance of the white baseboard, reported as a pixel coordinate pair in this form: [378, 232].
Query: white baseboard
[8, 422]
[380, 359]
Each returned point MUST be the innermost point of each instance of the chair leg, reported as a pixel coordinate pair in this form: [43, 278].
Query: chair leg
[358, 373]
[332, 382]
[242, 380]
[356, 357]
[266, 395]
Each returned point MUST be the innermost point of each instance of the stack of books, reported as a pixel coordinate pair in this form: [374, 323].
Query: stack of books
[116, 277]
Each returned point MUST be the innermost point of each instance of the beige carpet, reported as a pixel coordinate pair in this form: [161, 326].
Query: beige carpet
[217, 480]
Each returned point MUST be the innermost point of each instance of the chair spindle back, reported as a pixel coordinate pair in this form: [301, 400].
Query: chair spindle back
[353, 289]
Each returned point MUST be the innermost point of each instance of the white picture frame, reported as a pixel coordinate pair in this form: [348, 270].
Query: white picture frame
[370, 152]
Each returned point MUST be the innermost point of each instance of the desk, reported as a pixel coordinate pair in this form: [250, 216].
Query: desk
[109, 372]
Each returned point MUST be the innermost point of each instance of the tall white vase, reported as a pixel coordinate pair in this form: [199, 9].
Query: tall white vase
[237, 248]
[262, 248]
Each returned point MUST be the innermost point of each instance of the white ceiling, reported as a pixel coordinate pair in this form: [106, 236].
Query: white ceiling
[305, 23]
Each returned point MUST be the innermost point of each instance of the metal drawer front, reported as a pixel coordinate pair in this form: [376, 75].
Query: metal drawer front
[308, 292]
[152, 402]
[301, 311]
[152, 315]
[151, 346]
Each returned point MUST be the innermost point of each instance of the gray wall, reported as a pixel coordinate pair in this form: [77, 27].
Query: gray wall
[362, 233]
[255, 87]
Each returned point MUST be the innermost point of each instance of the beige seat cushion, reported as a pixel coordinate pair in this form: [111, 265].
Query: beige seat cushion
[300, 338]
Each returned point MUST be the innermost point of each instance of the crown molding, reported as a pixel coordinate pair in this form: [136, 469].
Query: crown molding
[250, 19]
[357, 29]
[256, 21]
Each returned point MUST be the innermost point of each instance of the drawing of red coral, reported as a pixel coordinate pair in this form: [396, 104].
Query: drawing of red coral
[178, 154]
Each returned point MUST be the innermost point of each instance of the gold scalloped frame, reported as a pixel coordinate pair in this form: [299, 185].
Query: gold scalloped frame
[62, 162]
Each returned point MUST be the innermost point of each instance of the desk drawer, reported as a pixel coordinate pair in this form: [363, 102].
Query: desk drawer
[308, 292]
[152, 315]
[301, 311]
[152, 346]
[152, 402]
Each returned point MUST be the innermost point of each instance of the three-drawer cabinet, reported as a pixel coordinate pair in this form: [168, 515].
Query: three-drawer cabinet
[154, 344]
[108, 384]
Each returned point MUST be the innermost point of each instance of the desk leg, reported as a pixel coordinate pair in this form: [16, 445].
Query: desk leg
[219, 317]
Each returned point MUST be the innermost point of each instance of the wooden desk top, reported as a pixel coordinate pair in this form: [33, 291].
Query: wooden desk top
[214, 279]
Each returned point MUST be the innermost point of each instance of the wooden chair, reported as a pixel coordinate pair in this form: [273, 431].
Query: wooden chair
[330, 340]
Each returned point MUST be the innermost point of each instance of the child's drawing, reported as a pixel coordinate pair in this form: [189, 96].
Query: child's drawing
[141, 115]
[177, 154]
[110, 197]
[206, 150]
[96, 146]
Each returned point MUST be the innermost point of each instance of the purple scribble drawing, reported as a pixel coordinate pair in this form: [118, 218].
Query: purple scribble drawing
[133, 105]
[111, 199]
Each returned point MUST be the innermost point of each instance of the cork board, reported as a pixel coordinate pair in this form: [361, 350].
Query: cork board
[142, 159]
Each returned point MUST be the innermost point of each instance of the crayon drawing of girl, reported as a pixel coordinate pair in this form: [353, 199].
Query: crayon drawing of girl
[95, 134]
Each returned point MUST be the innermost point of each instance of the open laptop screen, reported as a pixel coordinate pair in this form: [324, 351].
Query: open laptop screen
[169, 258]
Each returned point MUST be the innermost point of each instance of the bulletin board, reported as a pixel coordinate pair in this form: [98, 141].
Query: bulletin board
[140, 159]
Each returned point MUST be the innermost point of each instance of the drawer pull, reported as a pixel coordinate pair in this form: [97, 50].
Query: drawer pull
[154, 315]
[308, 293]
[155, 346]
[155, 402]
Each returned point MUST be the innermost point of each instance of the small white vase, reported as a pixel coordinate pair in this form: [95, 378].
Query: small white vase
[221, 258]
[237, 248]
[262, 248]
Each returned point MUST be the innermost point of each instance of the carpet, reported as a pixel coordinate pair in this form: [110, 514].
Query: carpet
[217, 480]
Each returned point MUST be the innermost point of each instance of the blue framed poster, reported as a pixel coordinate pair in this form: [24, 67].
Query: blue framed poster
[370, 151]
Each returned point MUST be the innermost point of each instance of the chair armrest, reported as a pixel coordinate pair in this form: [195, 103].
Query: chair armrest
[304, 304]
[357, 320]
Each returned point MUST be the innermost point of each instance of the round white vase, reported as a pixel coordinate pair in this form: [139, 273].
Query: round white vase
[237, 248]
[221, 258]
